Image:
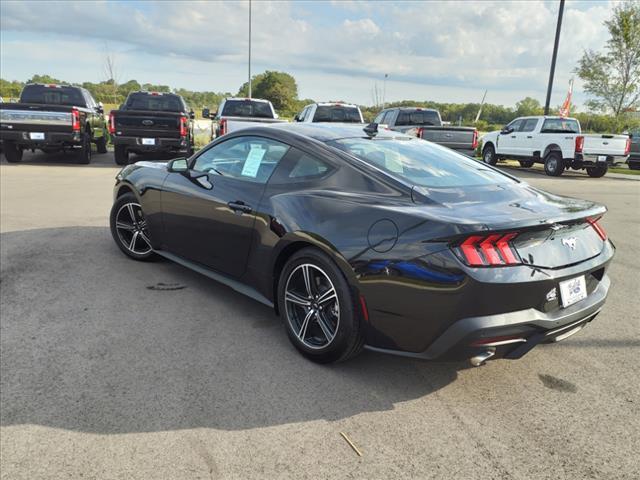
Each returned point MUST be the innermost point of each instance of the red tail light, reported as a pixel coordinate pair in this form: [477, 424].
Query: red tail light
[223, 127]
[183, 126]
[627, 147]
[420, 132]
[75, 120]
[579, 143]
[474, 142]
[488, 250]
[594, 222]
[112, 123]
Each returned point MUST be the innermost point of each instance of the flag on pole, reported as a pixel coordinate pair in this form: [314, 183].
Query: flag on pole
[566, 106]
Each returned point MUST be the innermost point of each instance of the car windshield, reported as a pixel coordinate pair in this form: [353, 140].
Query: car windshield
[560, 125]
[52, 95]
[422, 163]
[151, 101]
[246, 108]
[337, 113]
[418, 117]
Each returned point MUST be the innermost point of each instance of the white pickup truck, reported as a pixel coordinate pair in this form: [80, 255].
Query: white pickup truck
[557, 143]
[237, 113]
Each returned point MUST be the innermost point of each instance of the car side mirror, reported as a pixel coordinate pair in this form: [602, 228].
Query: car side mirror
[192, 114]
[100, 107]
[505, 130]
[297, 118]
[206, 113]
[178, 165]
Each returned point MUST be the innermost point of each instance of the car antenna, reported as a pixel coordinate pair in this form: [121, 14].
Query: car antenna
[371, 130]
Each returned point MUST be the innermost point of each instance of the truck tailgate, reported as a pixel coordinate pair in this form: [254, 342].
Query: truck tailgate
[456, 138]
[140, 123]
[611, 145]
[35, 118]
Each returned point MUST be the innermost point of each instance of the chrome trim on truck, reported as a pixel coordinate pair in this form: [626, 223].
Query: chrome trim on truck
[35, 117]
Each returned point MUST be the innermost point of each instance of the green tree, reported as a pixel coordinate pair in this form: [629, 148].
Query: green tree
[279, 88]
[612, 77]
[528, 106]
[44, 79]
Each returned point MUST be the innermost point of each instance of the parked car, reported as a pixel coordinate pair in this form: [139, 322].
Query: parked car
[151, 122]
[330, 112]
[359, 237]
[52, 118]
[427, 124]
[556, 142]
[634, 153]
[236, 113]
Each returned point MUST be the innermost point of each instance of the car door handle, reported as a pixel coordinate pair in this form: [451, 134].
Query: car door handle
[529, 136]
[239, 206]
[513, 136]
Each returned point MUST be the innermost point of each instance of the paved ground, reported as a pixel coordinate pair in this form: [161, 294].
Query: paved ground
[105, 374]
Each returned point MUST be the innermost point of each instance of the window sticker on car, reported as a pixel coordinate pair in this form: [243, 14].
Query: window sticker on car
[253, 162]
[393, 164]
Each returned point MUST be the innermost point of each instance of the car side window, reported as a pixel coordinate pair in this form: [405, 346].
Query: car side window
[387, 117]
[378, 119]
[529, 125]
[247, 158]
[300, 166]
[515, 125]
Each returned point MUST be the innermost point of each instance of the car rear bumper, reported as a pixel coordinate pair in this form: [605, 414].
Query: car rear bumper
[513, 334]
[51, 139]
[594, 160]
[134, 144]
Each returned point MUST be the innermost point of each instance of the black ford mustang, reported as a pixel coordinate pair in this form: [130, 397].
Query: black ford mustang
[360, 238]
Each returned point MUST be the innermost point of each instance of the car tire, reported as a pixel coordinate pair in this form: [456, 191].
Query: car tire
[324, 331]
[553, 165]
[12, 152]
[101, 144]
[489, 155]
[121, 155]
[84, 153]
[526, 163]
[597, 172]
[129, 228]
[634, 165]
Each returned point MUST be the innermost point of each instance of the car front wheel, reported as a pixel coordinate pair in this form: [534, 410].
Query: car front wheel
[489, 155]
[129, 228]
[320, 314]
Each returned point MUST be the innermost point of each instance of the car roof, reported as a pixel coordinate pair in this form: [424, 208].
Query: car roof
[334, 104]
[247, 98]
[326, 132]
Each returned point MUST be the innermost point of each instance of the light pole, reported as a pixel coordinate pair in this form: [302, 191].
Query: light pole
[553, 58]
[249, 48]
[384, 90]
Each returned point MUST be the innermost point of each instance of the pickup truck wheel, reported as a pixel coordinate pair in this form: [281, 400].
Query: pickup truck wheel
[526, 163]
[121, 155]
[101, 144]
[553, 165]
[489, 155]
[12, 151]
[597, 172]
[634, 166]
[84, 154]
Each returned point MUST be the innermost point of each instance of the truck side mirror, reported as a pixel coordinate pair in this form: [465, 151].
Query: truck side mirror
[506, 129]
[206, 113]
[192, 114]
[100, 107]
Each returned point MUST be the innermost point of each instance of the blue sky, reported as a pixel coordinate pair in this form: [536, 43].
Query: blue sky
[444, 51]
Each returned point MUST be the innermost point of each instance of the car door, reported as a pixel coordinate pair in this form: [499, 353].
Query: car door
[526, 143]
[209, 211]
[508, 139]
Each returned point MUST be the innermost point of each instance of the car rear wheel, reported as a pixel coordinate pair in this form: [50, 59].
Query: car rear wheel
[597, 172]
[634, 165]
[101, 144]
[12, 151]
[320, 314]
[553, 165]
[129, 228]
[489, 155]
[84, 154]
[121, 155]
[526, 163]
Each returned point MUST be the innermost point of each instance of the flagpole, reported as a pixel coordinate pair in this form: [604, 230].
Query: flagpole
[553, 58]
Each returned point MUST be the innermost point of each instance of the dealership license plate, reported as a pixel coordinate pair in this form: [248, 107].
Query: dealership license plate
[148, 141]
[36, 135]
[572, 291]
[602, 158]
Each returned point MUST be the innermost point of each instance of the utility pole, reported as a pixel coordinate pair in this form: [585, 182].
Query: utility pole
[250, 48]
[553, 58]
[481, 105]
[384, 90]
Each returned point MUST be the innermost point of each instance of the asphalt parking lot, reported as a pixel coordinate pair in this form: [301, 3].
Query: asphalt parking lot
[112, 368]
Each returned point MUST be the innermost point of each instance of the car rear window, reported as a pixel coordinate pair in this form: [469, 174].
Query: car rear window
[560, 125]
[246, 108]
[337, 113]
[52, 95]
[422, 163]
[158, 102]
[418, 117]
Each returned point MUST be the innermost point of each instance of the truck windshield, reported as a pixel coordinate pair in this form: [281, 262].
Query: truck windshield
[52, 95]
[337, 113]
[418, 117]
[560, 125]
[159, 102]
[246, 108]
[422, 163]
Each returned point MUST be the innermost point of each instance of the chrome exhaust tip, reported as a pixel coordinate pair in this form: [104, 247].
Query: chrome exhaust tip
[479, 359]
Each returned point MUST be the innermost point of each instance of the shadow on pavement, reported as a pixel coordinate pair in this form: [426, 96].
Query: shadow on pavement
[87, 345]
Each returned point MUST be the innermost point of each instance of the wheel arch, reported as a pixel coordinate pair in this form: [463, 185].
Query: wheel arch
[125, 188]
[554, 147]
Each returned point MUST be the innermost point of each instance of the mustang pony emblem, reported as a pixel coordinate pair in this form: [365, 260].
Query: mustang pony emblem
[570, 242]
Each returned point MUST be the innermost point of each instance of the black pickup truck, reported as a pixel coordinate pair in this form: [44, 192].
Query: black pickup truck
[151, 122]
[52, 118]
